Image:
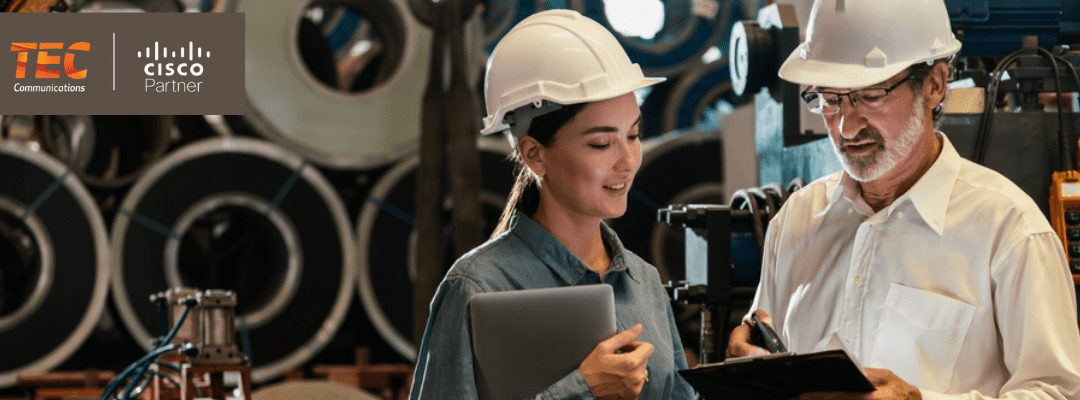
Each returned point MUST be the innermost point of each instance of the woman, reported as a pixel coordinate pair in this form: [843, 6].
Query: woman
[561, 87]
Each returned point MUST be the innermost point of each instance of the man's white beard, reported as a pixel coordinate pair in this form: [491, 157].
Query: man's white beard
[884, 158]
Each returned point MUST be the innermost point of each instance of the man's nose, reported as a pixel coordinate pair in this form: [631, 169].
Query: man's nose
[851, 122]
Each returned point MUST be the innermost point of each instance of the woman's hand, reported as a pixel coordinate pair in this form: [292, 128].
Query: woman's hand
[616, 368]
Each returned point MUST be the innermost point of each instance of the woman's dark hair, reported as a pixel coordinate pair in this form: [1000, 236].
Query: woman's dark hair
[525, 195]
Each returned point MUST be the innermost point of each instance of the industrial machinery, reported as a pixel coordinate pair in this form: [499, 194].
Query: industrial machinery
[1012, 105]
[723, 258]
[192, 357]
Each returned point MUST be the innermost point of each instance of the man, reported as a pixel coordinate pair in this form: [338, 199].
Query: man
[940, 276]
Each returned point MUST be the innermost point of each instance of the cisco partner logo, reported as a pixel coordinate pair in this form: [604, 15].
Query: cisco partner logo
[173, 62]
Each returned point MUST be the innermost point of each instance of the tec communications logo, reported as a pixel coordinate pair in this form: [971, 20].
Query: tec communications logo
[46, 55]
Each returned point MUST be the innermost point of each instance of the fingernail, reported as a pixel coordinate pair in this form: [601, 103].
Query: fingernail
[760, 352]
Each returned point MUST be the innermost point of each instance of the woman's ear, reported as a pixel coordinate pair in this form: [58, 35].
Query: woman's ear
[532, 153]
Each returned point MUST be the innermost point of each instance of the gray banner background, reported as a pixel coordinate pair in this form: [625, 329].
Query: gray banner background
[221, 90]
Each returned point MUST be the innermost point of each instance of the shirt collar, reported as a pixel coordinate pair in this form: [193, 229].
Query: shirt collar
[558, 258]
[926, 196]
[930, 194]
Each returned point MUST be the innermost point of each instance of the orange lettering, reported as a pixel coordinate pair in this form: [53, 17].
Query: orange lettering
[69, 61]
[44, 60]
[20, 66]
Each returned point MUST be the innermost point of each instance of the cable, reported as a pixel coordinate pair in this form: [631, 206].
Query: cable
[1061, 110]
[1063, 140]
[750, 202]
[795, 185]
[137, 369]
[986, 121]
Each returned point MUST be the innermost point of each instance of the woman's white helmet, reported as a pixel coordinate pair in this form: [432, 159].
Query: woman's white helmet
[550, 58]
[856, 43]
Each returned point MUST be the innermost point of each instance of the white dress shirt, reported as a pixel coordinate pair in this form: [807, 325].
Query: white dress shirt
[960, 287]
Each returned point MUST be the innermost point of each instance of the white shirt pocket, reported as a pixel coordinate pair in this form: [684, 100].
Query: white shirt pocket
[920, 336]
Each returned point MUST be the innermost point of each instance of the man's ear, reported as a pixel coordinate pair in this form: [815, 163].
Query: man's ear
[937, 83]
[532, 153]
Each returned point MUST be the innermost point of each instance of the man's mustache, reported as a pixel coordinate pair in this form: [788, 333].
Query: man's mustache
[863, 135]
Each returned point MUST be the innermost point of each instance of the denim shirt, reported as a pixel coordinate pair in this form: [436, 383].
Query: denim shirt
[528, 257]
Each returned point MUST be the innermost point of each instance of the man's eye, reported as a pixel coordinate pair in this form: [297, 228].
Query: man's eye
[872, 97]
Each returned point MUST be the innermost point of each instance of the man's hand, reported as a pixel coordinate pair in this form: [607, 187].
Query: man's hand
[616, 368]
[739, 343]
[887, 386]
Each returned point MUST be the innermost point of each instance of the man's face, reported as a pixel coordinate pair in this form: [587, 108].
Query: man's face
[871, 141]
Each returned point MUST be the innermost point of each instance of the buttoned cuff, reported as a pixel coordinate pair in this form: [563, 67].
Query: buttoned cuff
[570, 387]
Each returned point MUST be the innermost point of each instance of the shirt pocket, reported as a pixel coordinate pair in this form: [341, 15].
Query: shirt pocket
[920, 336]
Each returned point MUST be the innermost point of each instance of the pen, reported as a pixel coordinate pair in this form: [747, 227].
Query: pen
[772, 341]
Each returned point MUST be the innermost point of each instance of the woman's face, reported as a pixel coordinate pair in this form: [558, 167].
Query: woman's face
[589, 167]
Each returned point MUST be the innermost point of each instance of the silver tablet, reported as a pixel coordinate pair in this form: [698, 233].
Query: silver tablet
[525, 340]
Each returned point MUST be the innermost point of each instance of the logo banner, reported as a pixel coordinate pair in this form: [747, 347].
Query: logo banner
[122, 64]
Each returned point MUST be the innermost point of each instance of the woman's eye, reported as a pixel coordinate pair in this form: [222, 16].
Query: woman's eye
[635, 136]
[599, 146]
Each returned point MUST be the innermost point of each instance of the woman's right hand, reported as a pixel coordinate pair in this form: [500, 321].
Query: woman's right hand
[616, 368]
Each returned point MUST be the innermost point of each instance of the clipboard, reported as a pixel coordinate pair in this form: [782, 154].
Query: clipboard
[780, 376]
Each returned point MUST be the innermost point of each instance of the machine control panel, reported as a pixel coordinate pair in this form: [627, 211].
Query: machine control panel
[1065, 215]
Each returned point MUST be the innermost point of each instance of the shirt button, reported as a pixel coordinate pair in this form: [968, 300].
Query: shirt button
[858, 281]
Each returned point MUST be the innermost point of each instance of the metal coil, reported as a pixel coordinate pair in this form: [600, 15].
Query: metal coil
[690, 29]
[54, 262]
[106, 152]
[247, 216]
[337, 81]
[386, 240]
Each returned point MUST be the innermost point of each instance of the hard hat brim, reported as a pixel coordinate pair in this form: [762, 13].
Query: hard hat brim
[798, 70]
[490, 127]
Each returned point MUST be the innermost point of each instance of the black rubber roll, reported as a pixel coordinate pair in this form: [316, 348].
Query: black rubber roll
[684, 170]
[54, 262]
[243, 215]
[386, 239]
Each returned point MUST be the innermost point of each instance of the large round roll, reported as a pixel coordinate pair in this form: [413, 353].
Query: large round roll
[700, 98]
[337, 81]
[386, 239]
[689, 29]
[684, 170]
[54, 262]
[106, 152]
[243, 215]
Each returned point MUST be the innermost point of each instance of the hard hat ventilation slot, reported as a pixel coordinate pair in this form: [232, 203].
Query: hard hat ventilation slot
[876, 59]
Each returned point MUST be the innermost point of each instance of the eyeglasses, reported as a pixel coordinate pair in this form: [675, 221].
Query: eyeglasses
[828, 103]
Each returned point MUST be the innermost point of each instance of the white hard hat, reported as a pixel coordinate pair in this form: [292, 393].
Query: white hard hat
[554, 56]
[856, 43]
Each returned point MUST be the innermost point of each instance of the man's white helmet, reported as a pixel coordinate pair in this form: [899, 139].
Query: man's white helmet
[856, 43]
[554, 56]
